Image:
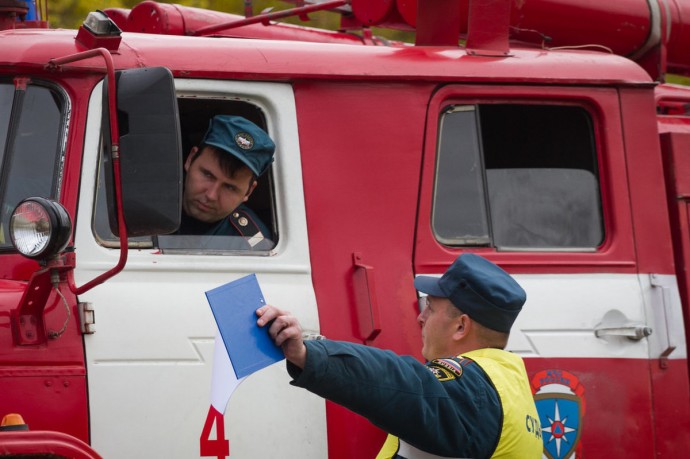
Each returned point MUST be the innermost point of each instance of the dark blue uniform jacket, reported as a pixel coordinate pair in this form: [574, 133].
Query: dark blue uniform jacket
[456, 416]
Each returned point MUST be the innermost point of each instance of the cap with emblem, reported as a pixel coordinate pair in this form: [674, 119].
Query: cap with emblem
[480, 289]
[242, 139]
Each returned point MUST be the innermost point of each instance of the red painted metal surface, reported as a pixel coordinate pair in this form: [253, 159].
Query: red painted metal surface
[673, 100]
[17, 267]
[47, 380]
[439, 26]
[57, 443]
[46, 376]
[168, 19]
[676, 150]
[650, 218]
[487, 28]
[670, 412]
[622, 26]
[627, 27]
[340, 166]
[634, 28]
[288, 61]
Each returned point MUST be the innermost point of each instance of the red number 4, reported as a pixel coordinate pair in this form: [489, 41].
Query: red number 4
[220, 446]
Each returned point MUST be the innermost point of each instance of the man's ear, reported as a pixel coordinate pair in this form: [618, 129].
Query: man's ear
[463, 326]
[190, 158]
[250, 190]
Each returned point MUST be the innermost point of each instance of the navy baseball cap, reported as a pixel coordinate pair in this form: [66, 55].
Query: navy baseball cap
[242, 139]
[480, 289]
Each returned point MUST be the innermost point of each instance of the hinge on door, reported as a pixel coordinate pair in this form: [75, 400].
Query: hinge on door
[667, 311]
[87, 318]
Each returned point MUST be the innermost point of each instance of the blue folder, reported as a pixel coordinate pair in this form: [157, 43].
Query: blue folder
[234, 306]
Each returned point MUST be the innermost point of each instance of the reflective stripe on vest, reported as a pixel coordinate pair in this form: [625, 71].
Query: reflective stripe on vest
[519, 411]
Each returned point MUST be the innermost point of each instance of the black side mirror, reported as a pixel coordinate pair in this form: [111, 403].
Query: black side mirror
[150, 152]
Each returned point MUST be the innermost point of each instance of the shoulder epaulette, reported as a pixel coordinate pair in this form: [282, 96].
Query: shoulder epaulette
[246, 227]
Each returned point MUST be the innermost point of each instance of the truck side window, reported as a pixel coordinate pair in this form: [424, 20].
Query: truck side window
[517, 177]
[32, 125]
[195, 114]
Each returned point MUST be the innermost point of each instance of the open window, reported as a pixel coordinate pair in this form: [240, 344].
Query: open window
[517, 177]
[195, 113]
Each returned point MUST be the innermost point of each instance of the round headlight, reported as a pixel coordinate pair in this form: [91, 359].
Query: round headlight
[40, 228]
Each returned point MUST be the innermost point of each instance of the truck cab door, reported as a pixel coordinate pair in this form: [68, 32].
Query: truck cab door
[534, 179]
[150, 353]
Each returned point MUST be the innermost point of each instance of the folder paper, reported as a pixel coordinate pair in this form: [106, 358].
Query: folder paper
[234, 306]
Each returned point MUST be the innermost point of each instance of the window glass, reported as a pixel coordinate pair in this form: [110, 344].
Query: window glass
[527, 173]
[459, 215]
[195, 114]
[31, 164]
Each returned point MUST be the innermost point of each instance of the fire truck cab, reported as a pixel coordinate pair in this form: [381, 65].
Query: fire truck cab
[529, 144]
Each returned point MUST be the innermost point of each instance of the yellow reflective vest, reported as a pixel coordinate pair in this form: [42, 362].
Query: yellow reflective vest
[520, 432]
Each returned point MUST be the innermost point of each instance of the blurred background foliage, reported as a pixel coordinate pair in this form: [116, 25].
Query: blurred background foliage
[678, 79]
[70, 14]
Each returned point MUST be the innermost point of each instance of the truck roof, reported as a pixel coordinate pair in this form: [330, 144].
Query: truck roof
[210, 57]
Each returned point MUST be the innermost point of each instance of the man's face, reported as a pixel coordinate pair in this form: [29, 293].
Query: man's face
[209, 194]
[438, 323]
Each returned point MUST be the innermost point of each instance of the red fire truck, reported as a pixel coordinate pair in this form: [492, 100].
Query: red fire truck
[536, 133]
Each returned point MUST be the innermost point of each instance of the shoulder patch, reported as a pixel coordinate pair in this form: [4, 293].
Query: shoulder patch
[445, 369]
[246, 226]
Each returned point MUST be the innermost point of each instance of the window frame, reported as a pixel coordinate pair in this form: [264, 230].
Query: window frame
[616, 250]
[472, 157]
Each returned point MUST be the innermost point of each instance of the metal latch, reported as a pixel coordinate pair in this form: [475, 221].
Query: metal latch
[87, 318]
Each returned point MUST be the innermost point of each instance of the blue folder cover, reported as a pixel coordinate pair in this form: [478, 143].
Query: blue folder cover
[234, 306]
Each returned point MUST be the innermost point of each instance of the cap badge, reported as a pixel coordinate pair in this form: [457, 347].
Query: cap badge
[244, 141]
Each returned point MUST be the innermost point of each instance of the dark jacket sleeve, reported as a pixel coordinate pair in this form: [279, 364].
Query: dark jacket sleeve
[458, 417]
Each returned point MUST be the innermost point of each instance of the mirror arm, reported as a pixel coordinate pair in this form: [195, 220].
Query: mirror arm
[56, 64]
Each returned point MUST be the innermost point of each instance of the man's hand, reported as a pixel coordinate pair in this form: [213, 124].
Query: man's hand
[286, 331]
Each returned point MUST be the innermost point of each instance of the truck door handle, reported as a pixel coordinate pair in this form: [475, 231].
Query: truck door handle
[366, 302]
[634, 332]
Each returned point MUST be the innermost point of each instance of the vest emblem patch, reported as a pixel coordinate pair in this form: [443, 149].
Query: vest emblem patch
[445, 369]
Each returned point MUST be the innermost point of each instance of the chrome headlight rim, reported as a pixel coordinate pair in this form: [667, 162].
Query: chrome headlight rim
[40, 228]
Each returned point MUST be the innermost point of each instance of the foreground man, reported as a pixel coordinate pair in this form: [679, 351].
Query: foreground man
[471, 399]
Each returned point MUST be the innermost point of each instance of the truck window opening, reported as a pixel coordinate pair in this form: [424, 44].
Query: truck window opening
[517, 177]
[195, 114]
